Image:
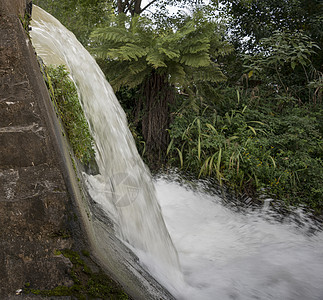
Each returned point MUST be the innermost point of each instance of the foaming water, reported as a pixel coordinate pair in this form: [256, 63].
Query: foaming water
[123, 188]
[226, 254]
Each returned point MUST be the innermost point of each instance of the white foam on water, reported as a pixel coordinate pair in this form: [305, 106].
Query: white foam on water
[239, 255]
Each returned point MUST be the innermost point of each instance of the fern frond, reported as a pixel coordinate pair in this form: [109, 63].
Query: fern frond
[112, 34]
[211, 73]
[128, 52]
[129, 79]
[199, 47]
[131, 51]
[175, 38]
[171, 54]
[194, 41]
[156, 59]
[177, 73]
[196, 60]
[138, 67]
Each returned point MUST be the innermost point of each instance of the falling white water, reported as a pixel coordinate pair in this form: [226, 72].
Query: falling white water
[124, 188]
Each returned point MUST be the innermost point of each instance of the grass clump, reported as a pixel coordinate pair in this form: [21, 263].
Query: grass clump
[65, 97]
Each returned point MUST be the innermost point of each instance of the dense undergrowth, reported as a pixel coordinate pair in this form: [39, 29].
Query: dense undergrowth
[254, 149]
[260, 135]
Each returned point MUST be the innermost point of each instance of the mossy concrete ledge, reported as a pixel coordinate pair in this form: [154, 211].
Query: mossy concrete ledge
[35, 194]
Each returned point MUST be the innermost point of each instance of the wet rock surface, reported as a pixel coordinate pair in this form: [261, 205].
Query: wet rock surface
[35, 206]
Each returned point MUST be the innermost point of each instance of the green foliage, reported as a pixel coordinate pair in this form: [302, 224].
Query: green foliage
[284, 61]
[260, 18]
[284, 48]
[253, 149]
[250, 21]
[79, 16]
[65, 97]
[134, 48]
[160, 62]
[259, 133]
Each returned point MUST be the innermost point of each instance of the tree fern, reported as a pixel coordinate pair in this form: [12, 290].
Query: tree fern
[138, 53]
[170, 51]
[210, 73]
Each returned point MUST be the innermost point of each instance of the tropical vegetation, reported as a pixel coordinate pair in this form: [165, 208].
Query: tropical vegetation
[229, 90]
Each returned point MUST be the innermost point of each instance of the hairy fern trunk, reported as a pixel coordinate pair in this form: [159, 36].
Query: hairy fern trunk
[157, 95]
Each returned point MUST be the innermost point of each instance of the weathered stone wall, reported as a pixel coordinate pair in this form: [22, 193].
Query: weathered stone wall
[34, 199]
[14, 7]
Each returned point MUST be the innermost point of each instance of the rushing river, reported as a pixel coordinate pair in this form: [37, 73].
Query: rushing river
[187, 239]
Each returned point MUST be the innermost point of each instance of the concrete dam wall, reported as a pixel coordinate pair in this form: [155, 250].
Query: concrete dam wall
[36, 207]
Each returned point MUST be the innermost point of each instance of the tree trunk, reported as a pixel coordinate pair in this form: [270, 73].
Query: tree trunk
[120, 6]
[137, 8]
[157, 95]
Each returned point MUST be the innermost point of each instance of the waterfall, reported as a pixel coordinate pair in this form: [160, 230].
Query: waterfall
[224, 253]
[126, 192]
